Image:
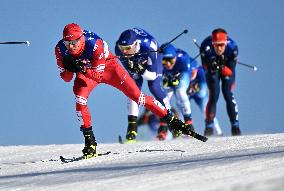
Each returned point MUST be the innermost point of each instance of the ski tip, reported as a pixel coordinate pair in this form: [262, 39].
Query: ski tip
[204, 139]
[200, 137]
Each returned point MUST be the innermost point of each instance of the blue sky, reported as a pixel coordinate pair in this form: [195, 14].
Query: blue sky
[37, 107]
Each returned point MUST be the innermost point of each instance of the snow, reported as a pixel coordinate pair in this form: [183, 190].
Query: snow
[252, 162]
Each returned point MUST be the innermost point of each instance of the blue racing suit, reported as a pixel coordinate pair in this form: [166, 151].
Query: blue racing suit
[180, 75]
[152, 62]
[213, 65]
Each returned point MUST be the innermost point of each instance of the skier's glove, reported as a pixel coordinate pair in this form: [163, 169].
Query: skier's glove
[170, 82]
[217, 63]
[73, 65]
[226, 71]
[138, 67]
[214, 66]
[193, 88]
[175, 81]
[166, 81]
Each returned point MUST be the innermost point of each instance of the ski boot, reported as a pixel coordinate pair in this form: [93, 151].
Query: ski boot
[89, 150]
[236, 131]
[176, 124]
[208, 131]
[209, 128]
[176, 133]
[131, 129]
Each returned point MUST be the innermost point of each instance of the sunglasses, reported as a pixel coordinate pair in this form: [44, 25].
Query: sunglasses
[127, 47]
[71, 42]
[166, 60]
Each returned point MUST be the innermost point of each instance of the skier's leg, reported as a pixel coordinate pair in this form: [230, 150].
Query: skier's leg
[117, 77]
[232, 108]
[159, 94]
[133, 111]
[213, 83]
[82, 88]
[201, 99]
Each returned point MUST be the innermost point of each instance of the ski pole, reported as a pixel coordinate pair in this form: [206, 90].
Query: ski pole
[196, 44]
[206, 49]
[241, 63]
[167, 43]
[152, 51]
[161, 48]
[249, 66]
[19, 42]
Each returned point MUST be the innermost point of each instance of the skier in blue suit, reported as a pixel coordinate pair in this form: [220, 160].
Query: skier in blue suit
[145, 66]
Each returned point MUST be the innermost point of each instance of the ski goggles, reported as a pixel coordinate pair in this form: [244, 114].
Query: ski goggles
[170, 60]
[72, 42]
[127, 47]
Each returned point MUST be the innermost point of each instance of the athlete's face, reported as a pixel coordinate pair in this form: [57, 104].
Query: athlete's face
[75, 46]
[129, 49]
[219, 48]
[169, 63]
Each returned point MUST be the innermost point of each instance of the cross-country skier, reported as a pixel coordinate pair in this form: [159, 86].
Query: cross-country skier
[178, 66]
[86, 55]
[146, 66]
[219, 63]
[197, 91]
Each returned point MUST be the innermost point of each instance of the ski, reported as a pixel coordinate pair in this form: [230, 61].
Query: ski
[197, 136]
[74, 159]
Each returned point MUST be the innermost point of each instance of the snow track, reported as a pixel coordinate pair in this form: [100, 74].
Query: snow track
[253, 162]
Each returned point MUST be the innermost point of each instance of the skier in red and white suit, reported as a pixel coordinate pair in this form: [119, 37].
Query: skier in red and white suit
[87, 55]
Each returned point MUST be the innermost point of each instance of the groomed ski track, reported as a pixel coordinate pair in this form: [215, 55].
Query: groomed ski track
[252, 162]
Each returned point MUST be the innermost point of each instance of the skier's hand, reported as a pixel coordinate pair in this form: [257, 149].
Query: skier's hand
[166, 81]
[226, 71]
[214, 66]
[193, 88]
[94, 75]
[138, 67]
[73, 65]
[170, 82]
[175, 81]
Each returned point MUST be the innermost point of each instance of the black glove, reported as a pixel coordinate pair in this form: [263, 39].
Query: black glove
[138, 67]
[163, 46]
[217, 64]
[73, 65]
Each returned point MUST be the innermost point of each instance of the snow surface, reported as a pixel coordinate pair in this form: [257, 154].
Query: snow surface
[254, 162]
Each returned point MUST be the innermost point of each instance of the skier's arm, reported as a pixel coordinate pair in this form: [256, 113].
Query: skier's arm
[65, 75]
[99, 55]
[150, 72]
